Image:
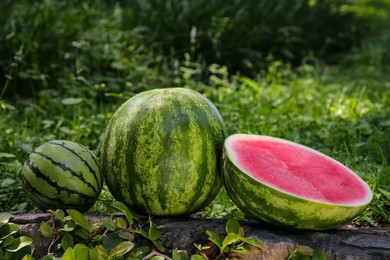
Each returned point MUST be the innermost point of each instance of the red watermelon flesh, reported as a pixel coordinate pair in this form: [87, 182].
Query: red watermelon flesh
[298, 170]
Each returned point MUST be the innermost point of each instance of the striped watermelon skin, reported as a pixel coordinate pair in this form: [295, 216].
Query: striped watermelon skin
[162, 150]
[61, 174]
[264, 203]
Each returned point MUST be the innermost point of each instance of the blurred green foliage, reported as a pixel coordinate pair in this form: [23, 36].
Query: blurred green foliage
[118, 44]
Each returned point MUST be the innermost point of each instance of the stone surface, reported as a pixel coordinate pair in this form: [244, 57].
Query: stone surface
[181, 233]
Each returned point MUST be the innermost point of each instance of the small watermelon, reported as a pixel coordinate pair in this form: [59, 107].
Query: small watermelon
[62, 174]
[162, 150]
[291, 185]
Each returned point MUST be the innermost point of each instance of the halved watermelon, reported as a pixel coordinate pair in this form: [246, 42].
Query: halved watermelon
[291, 185]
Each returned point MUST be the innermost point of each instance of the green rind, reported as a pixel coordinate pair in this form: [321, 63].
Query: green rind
[264, 203]
[62, 174]
[161, 152]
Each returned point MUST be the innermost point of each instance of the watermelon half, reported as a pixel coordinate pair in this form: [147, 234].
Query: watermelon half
[291, 185]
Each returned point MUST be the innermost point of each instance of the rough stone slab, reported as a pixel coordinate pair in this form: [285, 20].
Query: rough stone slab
[181, 233]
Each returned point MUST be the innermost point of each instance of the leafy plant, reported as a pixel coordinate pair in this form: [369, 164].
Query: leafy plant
[11, 245]
[109, 238]
[306, 253]
[11, 192]
[233, 243]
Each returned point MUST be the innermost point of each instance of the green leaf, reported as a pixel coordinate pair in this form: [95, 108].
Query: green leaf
[79, 218]
[18, 243]
[8, 156]
[299, 256]
[81, 252]
[125, 210]
[121, 249]
[233, 226]
[28, 257]
[318, 254]
[125, 235]
[71, 101]
[301, 253]
[253, 242]
[230, 239]
[111, 242]
[109, 224]
[213, 237]
[5, 217]
[82, 233]
[94, 253]
[139, 253]
[251, 83]
[197, 257]
[67, 241]
[153, 233]
[157, 257]
[159, 245]
[68, 254]
[45, 229]
[385, 193]
[68, 227]
[8, 229]
[7, 241]
[304, 250]
[26, 250]
[242, 249]
[121, 223]
[49, 257]
[142, 232]
[179, 255]
[59, 213]
[98, 252]
[97, 238]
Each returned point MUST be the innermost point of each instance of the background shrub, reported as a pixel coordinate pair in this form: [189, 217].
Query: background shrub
[105, 46]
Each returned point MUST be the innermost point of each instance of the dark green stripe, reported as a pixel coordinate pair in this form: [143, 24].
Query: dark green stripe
[66, 168]
[180, 121]
[203, 167]
[131, 148]
[96, 175]
[44, 202]
[28, 186]
[213, 132]
[59, 188]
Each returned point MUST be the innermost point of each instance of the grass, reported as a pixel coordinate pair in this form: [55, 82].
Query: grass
[344, 118]
[70, 88]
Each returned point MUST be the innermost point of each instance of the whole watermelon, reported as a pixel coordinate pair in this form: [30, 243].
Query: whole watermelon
[161, 152]
[61, 174]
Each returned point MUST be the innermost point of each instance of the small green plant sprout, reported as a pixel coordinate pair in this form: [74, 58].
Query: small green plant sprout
[11, 245]
[233, 243]
[74, 235]
[306, 253]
